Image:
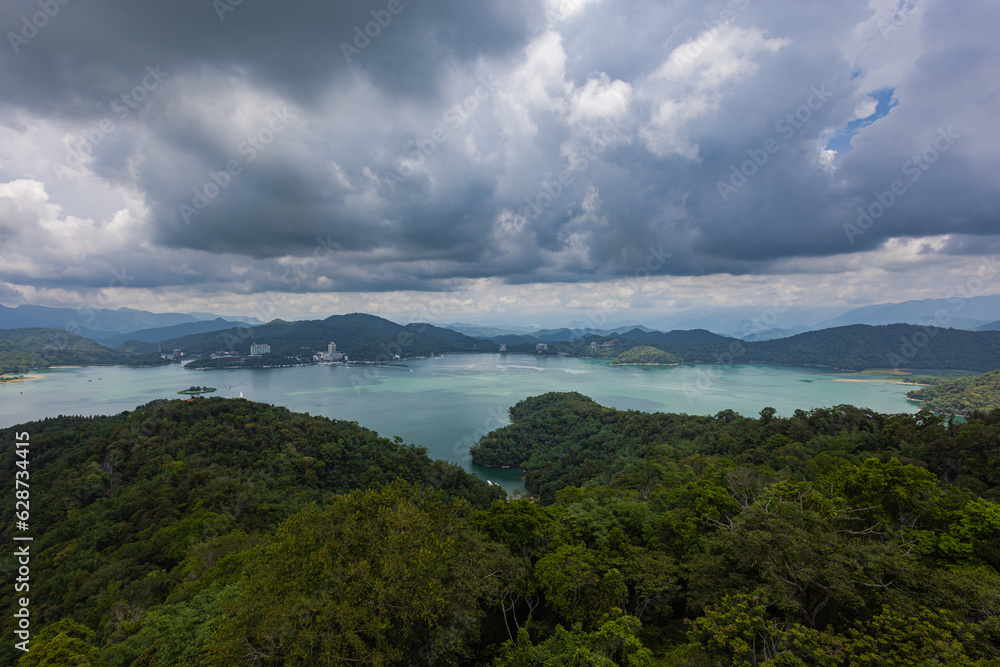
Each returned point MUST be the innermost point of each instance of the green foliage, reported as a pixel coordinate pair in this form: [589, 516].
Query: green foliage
[855, 347]
[219, 532]
[24, 349]
[741, 632]
[961, 396]
[63, 644]
[645, 354]
[132, 511]
[613, 643]
[378, 577]
[360, 336]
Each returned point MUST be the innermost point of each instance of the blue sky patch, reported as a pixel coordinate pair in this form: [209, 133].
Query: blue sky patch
[841, 141]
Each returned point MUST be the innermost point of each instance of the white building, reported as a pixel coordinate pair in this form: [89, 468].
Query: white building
[331, 348]
[260, 348]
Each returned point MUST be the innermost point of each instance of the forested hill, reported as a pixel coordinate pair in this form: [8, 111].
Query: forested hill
[567, 439]
[836, 536]
[132, 513]
[360, 336]
[961, 396]
[861, 346]
[856, 347]
[219, 532]
[24, 349]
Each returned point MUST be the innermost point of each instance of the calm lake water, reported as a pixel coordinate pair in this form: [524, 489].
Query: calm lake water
[445, 404]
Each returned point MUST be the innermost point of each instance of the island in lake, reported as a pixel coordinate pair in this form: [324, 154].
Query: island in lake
[197, 390]
[646, 355]
[19, 378]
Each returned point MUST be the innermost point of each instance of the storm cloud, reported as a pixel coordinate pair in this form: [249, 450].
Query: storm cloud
[411, 145]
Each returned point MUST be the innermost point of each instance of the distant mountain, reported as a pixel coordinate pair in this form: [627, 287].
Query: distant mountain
[862, 346]
[961, 396]
[773, 334]
[98, 322]
[24, 349]
[743, 320]
[563, 335]
[992, 326]
[166, 333]
[856, 347]
[229, 318]
[957, 313]
[691, 337]
[485, 331]
[360, 336]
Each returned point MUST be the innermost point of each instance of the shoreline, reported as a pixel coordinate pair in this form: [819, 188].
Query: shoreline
[647, 363]
[20, 379]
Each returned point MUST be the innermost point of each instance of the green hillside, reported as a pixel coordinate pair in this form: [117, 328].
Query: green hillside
[862, 346]
[215, 532]
[24, 349]
[645, 354]
[961, 396]
[856, 347]
[362, 337]
[143, 522]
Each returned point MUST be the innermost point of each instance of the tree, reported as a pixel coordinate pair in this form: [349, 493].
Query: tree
[382, 577]
[613, 643]
[64, 643]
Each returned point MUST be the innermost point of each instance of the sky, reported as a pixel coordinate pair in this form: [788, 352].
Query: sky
[558, 162]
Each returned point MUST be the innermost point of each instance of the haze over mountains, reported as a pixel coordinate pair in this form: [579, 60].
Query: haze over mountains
[369, 338]
[105, 324]
[750, 323]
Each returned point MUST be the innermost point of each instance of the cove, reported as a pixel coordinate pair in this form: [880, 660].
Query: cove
[447, 403]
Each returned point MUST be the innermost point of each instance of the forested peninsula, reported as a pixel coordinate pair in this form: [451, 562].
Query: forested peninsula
[224, 532]
[962, 395]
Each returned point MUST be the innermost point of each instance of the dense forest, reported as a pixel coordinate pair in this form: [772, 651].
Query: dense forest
[150, 526]
[961, 396]
[24, 349]
[645, 354]
[224, 532]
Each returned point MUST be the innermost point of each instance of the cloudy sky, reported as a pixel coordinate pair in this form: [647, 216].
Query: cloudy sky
[530, 162]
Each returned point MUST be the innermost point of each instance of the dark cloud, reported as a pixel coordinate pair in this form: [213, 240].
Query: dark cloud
[436, 152]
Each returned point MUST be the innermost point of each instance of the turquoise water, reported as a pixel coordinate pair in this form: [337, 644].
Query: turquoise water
[445, 404]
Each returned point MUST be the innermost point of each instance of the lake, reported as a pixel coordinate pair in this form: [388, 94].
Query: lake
[445, 404]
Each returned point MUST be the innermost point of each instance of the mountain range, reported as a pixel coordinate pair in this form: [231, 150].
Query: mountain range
[101, 323]
[749, 323]
[370, 338]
